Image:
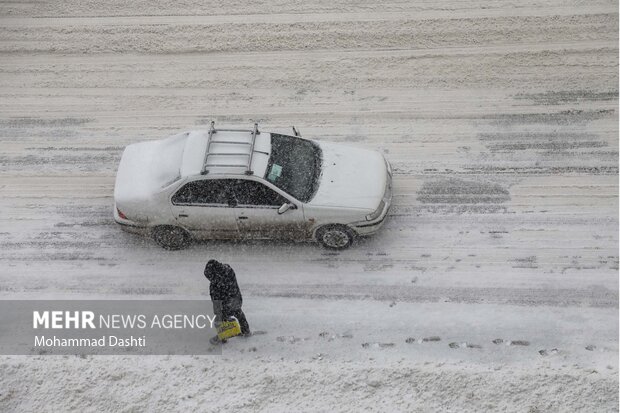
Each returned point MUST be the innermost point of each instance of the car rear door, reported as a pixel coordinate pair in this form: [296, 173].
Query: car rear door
[257, 214]
[204, 208]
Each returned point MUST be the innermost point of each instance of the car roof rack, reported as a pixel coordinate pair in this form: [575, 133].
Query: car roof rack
[212, 139]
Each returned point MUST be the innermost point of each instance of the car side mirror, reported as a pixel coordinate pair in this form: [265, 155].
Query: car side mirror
[286, 207]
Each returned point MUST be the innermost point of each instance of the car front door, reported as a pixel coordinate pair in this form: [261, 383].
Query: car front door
[257, 214]
[204, 207]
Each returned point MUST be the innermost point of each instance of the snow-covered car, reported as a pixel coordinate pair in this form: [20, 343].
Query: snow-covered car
[247, 184]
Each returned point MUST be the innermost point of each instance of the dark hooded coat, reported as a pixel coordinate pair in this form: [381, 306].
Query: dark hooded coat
[223, 288]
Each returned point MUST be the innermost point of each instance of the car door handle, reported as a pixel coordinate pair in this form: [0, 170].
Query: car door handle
[243, 217]
[183, 215]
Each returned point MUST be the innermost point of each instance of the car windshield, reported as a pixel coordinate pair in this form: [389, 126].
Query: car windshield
[294, 166]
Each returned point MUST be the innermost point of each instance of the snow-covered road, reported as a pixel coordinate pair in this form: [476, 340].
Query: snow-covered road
[500, 120]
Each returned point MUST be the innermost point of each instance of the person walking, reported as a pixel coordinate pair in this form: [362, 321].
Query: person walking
[225, 294]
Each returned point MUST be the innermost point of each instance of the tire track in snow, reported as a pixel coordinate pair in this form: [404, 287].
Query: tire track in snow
[556, 297]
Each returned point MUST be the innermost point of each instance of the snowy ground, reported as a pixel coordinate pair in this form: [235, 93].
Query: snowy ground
[500, 119]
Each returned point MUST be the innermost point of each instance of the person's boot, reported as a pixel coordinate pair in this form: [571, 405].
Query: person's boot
[216, 340]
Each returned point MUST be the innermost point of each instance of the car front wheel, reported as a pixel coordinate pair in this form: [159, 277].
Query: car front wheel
[335, 237]
[171, 237]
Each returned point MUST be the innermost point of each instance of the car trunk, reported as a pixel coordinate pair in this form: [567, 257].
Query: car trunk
[145, 169]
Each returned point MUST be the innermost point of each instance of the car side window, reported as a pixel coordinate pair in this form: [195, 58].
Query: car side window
[206, 191]
[256, 194]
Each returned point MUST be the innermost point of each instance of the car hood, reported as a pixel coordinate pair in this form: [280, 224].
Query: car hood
[350, 178]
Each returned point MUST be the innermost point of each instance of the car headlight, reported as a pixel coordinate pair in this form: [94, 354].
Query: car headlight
[377, 213]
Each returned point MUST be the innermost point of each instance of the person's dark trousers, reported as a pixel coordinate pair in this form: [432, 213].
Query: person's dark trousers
[243, 322]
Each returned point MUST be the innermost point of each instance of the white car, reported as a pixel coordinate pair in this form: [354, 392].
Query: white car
[248, 184]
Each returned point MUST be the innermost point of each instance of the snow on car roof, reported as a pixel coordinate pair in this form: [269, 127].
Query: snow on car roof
[228, 153]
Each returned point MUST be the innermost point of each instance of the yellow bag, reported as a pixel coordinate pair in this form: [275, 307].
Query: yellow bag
[228, 329]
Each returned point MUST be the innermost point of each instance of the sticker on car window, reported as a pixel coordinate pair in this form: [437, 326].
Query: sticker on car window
[274, 172]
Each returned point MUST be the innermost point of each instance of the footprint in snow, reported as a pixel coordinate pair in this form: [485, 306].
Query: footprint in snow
[431, 338]
[377, 345]
[545, 352]
[592, 347]
[332, 337]
[289, 339]
[464, 345]
[512, 342]
[411, 340]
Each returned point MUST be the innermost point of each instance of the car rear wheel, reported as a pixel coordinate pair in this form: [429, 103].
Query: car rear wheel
[171, 237]
[335, 237]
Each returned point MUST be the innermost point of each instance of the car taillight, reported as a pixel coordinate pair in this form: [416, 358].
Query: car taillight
[120, 214]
